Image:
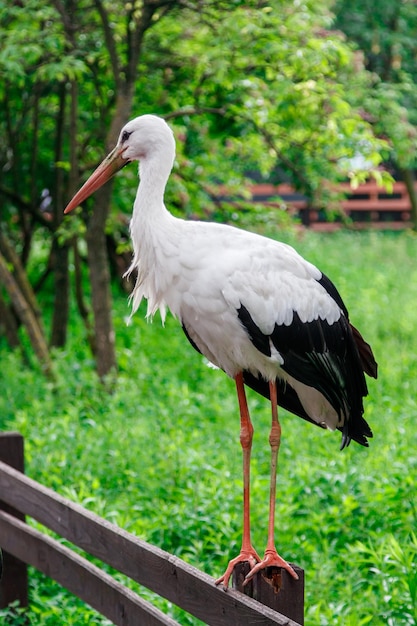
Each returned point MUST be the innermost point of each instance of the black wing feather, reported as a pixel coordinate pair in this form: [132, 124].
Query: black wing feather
[287, 397]
[321, 355]
[332, 358]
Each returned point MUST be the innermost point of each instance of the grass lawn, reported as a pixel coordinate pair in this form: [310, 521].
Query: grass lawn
[160, 456]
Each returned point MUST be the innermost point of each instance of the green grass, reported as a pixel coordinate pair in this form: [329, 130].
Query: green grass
[160, 456]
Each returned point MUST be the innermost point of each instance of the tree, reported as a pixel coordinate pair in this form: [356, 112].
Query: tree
[33, 97]
[385, 33]
[73, 72]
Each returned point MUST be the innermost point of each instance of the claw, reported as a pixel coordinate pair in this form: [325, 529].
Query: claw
[270, 559]
[245, 555]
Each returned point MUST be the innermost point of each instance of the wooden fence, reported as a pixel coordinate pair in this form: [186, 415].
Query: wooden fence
[367, 206]
[159, 571]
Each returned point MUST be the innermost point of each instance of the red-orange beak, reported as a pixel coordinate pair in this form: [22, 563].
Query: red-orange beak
[108, 168]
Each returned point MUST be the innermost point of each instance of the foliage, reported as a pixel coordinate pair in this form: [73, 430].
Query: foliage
[385, 34]
[284, 105]
[75, 70]
[160, 455]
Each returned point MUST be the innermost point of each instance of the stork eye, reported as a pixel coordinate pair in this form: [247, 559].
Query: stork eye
[125, 136]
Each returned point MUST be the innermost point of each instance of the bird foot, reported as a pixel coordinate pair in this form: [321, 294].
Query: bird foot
[271, 559]
[249, 555]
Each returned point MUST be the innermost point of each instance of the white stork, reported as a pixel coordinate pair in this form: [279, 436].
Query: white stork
[253, 306]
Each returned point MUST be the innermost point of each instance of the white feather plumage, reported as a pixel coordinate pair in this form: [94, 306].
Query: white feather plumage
[203, 272]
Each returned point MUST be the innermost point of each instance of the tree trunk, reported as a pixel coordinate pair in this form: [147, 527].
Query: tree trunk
[60, 252]
[79, 297]
[98, 260]
[408, 176]
[61, 295]
[19, 275]
[100, 284]
[8, 325]
[96, 239]
[26, 316]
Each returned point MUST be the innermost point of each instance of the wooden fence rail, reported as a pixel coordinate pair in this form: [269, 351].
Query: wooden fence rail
[159, 571]
[367, 206]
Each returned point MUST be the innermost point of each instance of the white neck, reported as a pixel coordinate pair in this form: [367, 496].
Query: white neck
[154, 172]
[152, 224]
[151, 228]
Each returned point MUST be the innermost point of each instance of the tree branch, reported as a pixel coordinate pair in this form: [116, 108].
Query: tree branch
[195, 111]
[110, 42]
[27, 317]
[25, 206]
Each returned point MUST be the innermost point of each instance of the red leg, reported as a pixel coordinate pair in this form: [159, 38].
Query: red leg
[247, 552]
[271, 556]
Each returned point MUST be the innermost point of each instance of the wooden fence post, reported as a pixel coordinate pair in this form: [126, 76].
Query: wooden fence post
[275, 588]
[14, 581]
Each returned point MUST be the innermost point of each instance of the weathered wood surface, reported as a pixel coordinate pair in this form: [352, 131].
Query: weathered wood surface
[116, 602]
[163, 573]
[275, 588]
[14, 580]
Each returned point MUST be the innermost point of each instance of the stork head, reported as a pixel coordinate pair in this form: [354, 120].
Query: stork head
[143, 139]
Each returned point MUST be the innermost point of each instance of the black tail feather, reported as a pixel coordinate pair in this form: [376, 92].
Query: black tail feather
[288, 399]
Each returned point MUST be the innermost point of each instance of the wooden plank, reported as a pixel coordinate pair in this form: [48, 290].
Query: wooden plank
[116, 602]
[14, 581]
[330, 227]
[163, 573]
[387, 204]
[275, 588]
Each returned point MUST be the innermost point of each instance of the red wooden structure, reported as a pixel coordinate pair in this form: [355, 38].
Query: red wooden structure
[367, 206]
